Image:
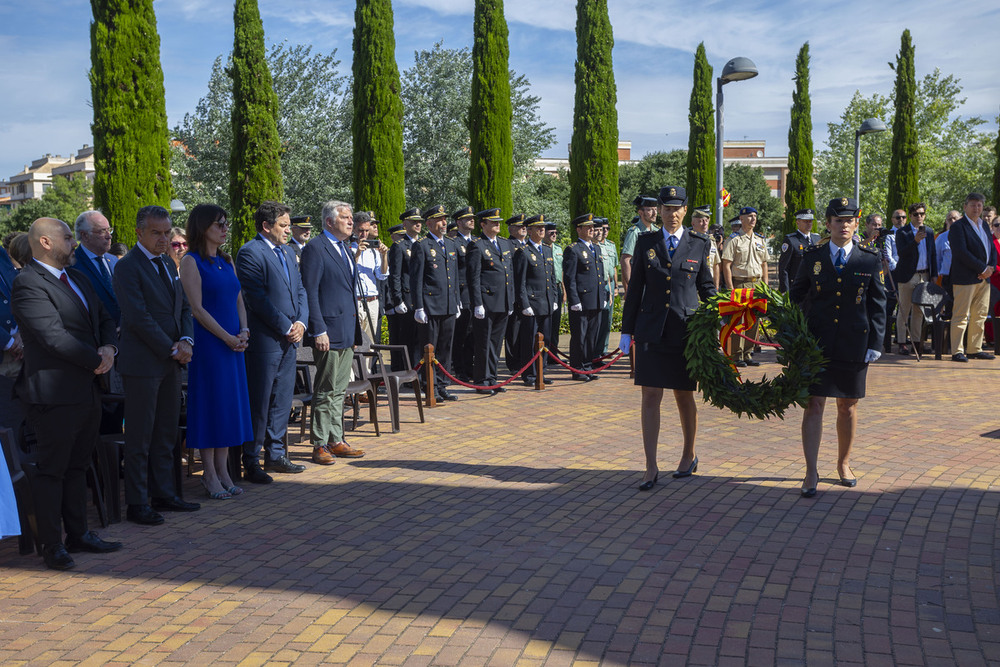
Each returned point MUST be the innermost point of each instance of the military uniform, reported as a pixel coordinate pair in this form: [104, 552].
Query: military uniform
[512, 336]
[535, 289]
[461, 356]
[556, 321]
[491, 290]
[402, 326]
[748, 254]
[587, 292]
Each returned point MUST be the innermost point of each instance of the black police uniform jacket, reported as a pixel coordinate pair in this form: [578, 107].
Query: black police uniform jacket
[664, 292]
[491, 274]
[535, 275]
[463, 270]
[845, 311]
[792, 248]
[583, 276]
[434, 276]
[399, 273]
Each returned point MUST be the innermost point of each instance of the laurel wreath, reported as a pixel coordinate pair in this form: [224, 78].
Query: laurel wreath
[719, 380]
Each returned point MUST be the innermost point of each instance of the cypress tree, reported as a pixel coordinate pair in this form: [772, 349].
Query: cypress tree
[701, 141]
[903, 165]
[593, 157]
[377, 125]
[996, 171]
[131, 141]
[255, 159]
[491, 170]
[799, 189]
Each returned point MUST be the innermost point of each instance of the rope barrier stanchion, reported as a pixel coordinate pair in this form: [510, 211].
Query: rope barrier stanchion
[540, 372]
[428, 363]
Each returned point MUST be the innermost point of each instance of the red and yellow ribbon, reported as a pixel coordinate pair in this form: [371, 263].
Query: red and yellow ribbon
[741, 308]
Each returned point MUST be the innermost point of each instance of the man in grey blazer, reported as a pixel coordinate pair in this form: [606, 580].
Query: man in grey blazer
[155, 341]
[277, 310]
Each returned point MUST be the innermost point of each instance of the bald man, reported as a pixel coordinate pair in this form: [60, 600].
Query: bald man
[67, 334]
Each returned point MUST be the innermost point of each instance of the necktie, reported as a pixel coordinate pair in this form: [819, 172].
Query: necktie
[345, 254]
[841, 261]
[164, 276]
[281, 258]
[65, 281]
[103, 268]
[671, 245]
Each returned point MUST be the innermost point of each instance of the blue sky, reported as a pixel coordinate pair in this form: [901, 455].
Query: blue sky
[45, 51]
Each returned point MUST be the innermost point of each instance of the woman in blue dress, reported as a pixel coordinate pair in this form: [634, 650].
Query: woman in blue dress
[218, 404]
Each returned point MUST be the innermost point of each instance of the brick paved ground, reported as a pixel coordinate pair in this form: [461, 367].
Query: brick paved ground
[507, 530]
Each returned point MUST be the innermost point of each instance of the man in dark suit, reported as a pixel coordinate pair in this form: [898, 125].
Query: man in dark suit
[68, 337]
[11, 411]
[793, 246]
[156, 341]
[462, 350]
[329, 276]
[277, 310]
[490, 264]
[917, 264]
[536, 293]
[93, 232]
[403, 330]
[434, 288]
[670, 275]
[586, 293]
[973, 260]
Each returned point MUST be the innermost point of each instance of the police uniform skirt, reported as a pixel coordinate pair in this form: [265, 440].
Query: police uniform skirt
[662, 365]
[840, 379]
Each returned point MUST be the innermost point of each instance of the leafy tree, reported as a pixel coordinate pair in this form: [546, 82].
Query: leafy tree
[254, 162]
[799, 192]
[593, 155]
[314, 112]
[378, 113]
[131, 152]
[490, 113]
[748, 187]
[700, 174]
[65, 199]
[647, 176]
[996, 169]
[540, 192]
[904, 165]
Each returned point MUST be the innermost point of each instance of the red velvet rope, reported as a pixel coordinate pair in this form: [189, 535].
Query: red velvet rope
[492, 386]
[582, 372]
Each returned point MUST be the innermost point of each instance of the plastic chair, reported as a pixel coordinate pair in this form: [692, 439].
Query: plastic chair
[395, 379]
[931, 299]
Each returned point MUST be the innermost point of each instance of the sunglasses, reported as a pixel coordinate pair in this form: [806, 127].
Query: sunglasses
[178, 244]
[995, 225]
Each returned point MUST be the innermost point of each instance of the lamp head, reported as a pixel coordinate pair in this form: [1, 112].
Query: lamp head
[872, 125]
[738, 69]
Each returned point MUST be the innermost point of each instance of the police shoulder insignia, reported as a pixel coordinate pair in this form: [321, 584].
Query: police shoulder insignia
[817, 267]
[784, 247]
[651, 254]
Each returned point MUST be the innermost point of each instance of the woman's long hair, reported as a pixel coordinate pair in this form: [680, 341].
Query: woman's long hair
[201, 218]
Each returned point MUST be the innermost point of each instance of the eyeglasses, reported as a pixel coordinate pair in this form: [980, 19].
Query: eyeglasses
[102, 232]
[178, 244]
[920, 214]
[221, 224]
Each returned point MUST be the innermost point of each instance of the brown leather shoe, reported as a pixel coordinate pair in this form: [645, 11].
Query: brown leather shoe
[323, 456]
[345, 451]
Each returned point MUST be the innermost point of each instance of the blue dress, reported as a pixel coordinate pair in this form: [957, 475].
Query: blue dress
[218, 403]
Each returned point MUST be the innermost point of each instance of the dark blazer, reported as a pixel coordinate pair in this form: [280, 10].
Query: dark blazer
[463, 271]
[491, 275]
[274, 300]
[103, 287]
[400, 253]
[535, 278]
[583, 276]
[968, 256]
[7, 275]
[846, 311]
[330, 281]
[153, 318]
[906, 248]
[296, 248]
[434, 277]
[60, 335]
[792, 248]
[664, 292]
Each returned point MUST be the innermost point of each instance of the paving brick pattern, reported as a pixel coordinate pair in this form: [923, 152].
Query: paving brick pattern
[507, 530]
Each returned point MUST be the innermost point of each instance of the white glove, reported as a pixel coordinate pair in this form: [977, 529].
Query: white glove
[872, 355]
[458, 312]
[555, 306]
[401, 309]
[604, 305]
[479, 312]
[510, 312]
[625, 344]
[576, 307]
[528, 312]
[420, 315]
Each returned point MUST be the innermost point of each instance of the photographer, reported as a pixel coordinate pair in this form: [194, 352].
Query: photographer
[370, 254]
[917, 264]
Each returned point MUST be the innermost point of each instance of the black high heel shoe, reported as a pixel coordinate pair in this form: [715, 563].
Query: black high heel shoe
[693, 468]
[646, 486]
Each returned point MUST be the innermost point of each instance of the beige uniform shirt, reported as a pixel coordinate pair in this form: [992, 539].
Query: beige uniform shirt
[713, 255]
[748, 253]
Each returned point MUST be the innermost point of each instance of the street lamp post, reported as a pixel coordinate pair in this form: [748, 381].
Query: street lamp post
[737, 69]
[870, 126]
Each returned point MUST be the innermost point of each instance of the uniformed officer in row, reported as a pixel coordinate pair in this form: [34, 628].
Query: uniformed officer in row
[793, 246]
[744, 264]
[586, 293]
[701, 219]
[490, 265]
[464, 220]
[535, 293]
[301, 231]
[609, 256]
[645, 208]
[402, 327]
[552, 242]
[434, 288]
[517, 233]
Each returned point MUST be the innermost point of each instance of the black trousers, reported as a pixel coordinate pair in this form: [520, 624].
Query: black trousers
[463, 347]
[488, 336]
[66, 436]
[511, 343]
[584, 327]
[555, 321]
[439, 332]
[530, 326]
